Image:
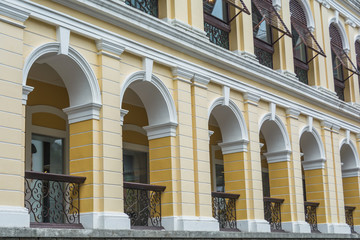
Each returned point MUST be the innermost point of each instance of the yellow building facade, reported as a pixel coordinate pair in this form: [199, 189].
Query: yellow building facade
[237, 114]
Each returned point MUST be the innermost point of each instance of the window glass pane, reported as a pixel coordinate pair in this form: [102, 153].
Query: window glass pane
[47, 154]
[337, 67]
[216, 8]
[261, 29]
[135, 166]
[266, 184]
[220, 182]
[299, 46]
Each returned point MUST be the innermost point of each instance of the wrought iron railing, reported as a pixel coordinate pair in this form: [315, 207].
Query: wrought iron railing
[272, 213]
[349, 217]
[310, 215]
[143, 204]
[224, 209]
[53, 200]
[146, 6]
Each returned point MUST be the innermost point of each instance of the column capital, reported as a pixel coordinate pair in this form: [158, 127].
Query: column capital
[326, 125]
[234, 147]
[161, 130]
[26, 90]
[292, 113]
[251, 98]
[109, 48]
[123, 112]
[182, 74]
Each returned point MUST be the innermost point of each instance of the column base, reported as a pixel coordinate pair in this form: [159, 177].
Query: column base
[357, 228]
[14, 216]
[105, 220]
[253, 225]
[296, 227]
[190, 223]
[340, 228]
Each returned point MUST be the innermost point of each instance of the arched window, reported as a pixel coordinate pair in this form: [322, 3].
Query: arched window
[343, 68]
[217, 19]
[266, 19]
[303, 40]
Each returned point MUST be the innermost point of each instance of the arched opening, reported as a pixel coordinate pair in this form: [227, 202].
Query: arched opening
[228, 144]
[313, 163]
[351, 184]
[275, 156]
[149, 128]
[59, 83]
[343, 68]
[305, 46]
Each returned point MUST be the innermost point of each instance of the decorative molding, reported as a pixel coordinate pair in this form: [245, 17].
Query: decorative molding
[186, 27]
[63, 37]
[234, 147]
[277, 5]
[12, 23]
[13, 11]
[161, 130]
[347, 137]
[246, 55]
[226, 95]
[350, 23]
[200, 80]
[25, 92]
[251, 98]
[160, 31]
[272, 111]
[183, 74]
[83, 112]
[314, 164]
[310, 124]
[148, 68]
[324, 3]
[278, 156]
[351, 172]
[123, 112]
[292, 113]
[326, 125]
[335, 128]
[110, 47]
[210, 133]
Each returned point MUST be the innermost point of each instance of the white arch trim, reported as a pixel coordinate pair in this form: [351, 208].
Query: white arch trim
[84, 91]
[317, 160]
[353, 169]
[282, 151]
[160, 106]
[308, 13]
[344, 38]
[233, 128]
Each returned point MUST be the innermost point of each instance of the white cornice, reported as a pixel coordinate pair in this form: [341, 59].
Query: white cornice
[14, 12]
[188, 43]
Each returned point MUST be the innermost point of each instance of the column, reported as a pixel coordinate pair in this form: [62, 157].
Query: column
[296, 204]
[202, 180]
[12, 125]
[254, 194]
[339, 222]
[283, 50]
[106, 137]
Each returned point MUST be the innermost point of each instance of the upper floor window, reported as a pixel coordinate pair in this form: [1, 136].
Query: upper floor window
[343, 68]
[303, 40]
[217, 19]
[146, 6]
[265, 19]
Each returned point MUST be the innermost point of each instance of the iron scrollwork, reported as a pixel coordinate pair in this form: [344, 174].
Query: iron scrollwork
[349, 217]
[272, 213]
[143, 204]
[53, 198]
[216, 35]
[146, 6]
[310, 215]
[224, 209]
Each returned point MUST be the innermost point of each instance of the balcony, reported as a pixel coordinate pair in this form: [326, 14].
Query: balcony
[147, 6]
[224, 210]
[143, 205]
[272, 213]
[349, 217]
[53, 200]
[310, 215]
